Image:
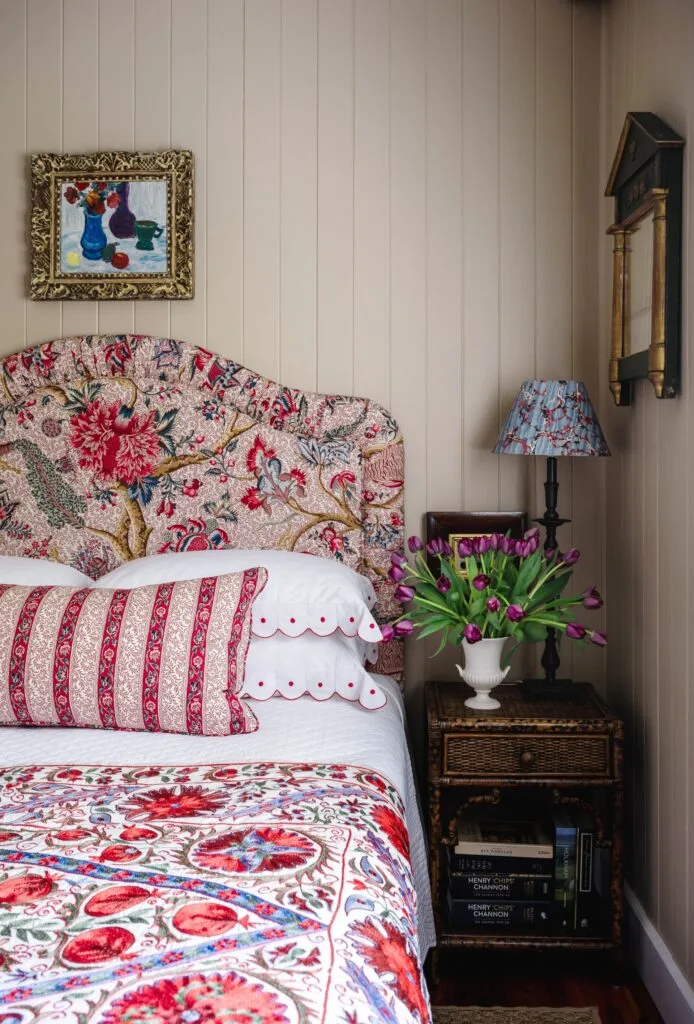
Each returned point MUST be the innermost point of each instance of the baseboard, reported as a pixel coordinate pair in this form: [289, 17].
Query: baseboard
[667, 986]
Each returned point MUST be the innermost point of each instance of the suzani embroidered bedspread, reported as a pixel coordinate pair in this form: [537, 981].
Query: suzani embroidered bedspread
[245, 894]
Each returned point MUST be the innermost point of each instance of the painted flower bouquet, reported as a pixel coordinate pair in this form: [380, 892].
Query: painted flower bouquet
[93, 196]
[502, 588]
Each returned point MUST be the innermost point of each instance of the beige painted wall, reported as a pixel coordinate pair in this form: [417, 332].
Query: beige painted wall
[396, 199]
[647, 53]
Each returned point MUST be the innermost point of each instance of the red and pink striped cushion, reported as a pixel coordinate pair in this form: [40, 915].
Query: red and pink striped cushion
[169, 657]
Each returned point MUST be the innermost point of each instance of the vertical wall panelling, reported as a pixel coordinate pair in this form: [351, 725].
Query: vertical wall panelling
[13, 171]
[408, 234]
[517, 156]
[335, 276]
[44, 121]
[189, 131]
[688, 597]
[553, 227]
[480, 251]
[80, 117]
[224, 179]
[262, 163]
[671, 56]
[444, 238]
[408, 256]
[587, 475]
[153, 116]
[649, 485]
[298, 214]
[372, 199]
[116, 78]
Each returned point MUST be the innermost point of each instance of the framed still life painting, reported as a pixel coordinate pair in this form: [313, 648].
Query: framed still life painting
[112, 225]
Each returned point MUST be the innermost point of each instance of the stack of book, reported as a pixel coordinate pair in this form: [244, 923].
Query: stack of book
[529, 876]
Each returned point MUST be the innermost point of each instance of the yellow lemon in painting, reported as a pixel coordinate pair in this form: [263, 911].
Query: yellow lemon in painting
[73, 259]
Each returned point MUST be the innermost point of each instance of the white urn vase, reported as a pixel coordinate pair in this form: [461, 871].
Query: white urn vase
[483, 671]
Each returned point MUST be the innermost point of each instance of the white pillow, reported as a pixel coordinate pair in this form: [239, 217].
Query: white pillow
[303, 592]
[40, 572]
[320, 666]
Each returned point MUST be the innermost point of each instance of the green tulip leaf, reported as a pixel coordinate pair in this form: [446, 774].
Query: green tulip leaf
[534, 632]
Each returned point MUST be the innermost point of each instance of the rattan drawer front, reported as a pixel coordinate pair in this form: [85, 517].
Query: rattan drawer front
[490, 755]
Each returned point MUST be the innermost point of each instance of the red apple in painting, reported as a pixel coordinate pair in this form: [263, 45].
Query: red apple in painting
[120, 260]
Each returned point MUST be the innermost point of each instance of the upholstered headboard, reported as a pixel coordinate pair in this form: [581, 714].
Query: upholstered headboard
[117, 446]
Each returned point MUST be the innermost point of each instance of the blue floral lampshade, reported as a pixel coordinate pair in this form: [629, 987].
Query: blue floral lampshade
[552, 417]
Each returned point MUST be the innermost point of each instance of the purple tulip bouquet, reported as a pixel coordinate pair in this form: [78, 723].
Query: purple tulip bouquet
[503, 588]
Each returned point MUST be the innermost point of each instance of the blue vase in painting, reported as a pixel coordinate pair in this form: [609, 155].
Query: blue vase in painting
[93, 238]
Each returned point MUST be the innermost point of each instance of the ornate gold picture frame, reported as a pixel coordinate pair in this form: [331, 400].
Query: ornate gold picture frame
[114, 225]
[453, 526]
[646, 182]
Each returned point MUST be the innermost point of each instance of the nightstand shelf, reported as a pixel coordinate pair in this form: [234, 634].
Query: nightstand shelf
[527, 757]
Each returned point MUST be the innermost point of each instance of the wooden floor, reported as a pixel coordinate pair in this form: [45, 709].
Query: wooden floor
[468, 978]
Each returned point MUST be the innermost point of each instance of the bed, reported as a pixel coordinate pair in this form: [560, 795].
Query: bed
[268, 877]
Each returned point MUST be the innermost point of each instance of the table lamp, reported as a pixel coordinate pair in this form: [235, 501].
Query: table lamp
[554, 418]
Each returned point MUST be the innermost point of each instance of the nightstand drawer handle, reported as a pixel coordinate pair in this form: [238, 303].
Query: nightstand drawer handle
[527, 759]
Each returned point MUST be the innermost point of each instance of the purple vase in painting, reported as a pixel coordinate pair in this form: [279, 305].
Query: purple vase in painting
[122, 222]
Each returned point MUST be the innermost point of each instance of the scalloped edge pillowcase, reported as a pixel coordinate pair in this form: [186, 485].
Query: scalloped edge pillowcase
[303, 592]
[320, 666]
[167, 657]
[312, 625]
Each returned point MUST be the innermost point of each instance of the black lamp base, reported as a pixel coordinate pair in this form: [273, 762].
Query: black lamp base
[553, 689]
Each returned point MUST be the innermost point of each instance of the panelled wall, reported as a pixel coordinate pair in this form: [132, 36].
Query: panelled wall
[396, 198]
[647, 48]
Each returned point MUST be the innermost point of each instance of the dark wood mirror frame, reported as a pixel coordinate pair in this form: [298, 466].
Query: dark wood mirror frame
[645, 181]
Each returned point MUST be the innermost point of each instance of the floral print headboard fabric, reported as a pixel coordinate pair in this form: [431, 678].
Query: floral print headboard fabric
[113, 447]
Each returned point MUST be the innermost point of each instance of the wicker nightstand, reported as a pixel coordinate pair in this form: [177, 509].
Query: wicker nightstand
[528, 751]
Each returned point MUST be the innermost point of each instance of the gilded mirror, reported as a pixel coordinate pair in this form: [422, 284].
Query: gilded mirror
[646, 182]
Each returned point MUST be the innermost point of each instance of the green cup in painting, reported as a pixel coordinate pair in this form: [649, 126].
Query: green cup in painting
[146, 231]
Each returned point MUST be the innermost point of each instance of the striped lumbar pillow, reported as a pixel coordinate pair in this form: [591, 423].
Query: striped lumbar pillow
[169, 657]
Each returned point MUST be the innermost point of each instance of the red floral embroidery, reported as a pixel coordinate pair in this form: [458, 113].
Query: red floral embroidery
[67, 835]
[184, 802]
[217, 997]
[112, 446]
[255, 850]
[98, 945]
[205, 919]
[115, 900]
[385, 949]
[117, 854]
[394, 827]
[27, 889]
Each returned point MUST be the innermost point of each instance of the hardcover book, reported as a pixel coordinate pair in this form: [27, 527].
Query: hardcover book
[500, 885]
[465, 864]
[491, 837]
[536, 915]
[591, 913]
[565, 832]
